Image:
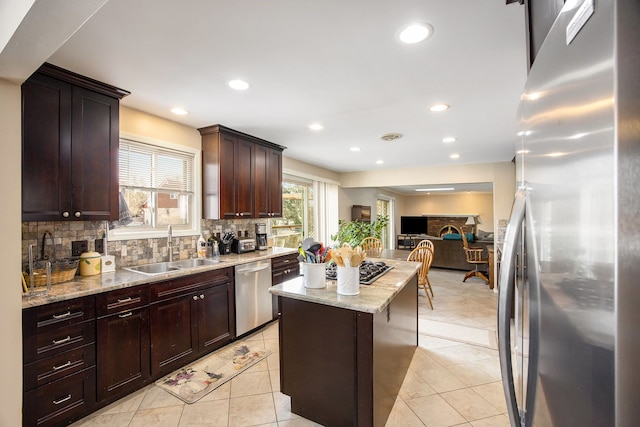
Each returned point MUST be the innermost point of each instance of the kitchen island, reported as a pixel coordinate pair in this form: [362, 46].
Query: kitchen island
[343, 358]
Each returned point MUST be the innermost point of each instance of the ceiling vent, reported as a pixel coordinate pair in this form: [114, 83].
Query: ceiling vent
[391, 136]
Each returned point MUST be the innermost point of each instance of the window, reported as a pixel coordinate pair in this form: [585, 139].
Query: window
[309, 209]
[297, 213]
[158, 184]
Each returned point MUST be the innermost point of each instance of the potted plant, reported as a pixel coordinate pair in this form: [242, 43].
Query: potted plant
[353, 232]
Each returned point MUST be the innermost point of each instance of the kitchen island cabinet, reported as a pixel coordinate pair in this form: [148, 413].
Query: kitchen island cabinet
[241, 175]
[189, 317]
[70, 139]
[343, 358]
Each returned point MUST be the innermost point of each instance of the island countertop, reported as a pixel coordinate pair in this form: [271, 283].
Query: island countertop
[372, 298]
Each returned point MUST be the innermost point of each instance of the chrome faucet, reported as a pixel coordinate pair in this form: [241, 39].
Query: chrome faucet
[170, 243]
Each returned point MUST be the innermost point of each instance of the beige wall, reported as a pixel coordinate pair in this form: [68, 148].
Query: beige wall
[10, 229]
[294, 166]
[501, 175]
[138, 123]
[453, 204]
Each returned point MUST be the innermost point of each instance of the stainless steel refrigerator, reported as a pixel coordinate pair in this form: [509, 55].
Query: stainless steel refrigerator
[569, 286]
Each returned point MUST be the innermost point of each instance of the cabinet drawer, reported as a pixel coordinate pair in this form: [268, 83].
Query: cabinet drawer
[56, 340]
[122, 300]
[60, 365]
[61, 401]
[57, 314]
[187, 284]
[285, 261]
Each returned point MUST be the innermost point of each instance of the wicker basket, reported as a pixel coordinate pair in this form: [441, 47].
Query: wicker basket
[62, 270]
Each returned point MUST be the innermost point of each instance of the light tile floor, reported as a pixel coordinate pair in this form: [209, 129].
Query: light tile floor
[452, 381]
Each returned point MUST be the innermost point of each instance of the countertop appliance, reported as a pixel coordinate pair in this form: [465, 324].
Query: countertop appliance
[253, 300]
[261, 237]
[570, 257]
[241, 246]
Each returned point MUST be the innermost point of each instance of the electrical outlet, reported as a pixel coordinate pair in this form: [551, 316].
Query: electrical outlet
[99, 245]
[78, 247]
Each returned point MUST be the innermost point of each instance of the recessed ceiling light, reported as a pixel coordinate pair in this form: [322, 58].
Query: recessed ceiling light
[522, 152]
[179, 111]
[355, 149]
[391, 136]
[316, 126]
[436, 189]
[238, 85]
[379, 162]
[449, 139]
[439, 107]
[415, 33]
[454, 156]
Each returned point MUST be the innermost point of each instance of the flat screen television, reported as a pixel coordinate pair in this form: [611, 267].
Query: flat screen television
[413, 225]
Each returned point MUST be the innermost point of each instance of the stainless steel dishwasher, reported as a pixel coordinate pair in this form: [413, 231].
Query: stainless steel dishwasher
[253, 300]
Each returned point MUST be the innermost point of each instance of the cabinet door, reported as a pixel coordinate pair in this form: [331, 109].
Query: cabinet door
[215, 323]
[268, 182]
[94, 157]
[244, 178]
[227, 175]
[123, 353]
[174, 341]
[261, 180]
[46, 148]
[274, 183]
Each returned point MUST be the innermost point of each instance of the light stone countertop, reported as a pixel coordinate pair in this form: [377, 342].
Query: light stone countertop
[372, 298]
[90, 285]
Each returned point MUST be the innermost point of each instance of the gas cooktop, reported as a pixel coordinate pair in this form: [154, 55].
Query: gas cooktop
[369, 271]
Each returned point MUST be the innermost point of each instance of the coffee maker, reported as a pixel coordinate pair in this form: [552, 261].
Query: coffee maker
[261, 237]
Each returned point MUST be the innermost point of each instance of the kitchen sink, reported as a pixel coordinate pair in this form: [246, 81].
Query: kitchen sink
[153, 269]
[167, 267]
[194, 262]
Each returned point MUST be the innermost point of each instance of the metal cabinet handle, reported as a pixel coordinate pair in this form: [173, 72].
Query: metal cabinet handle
[64, 365]
[64, 399]
[62, 341]
[65, 214]
[77, 214]
[201, 296]
[62, 316]
[124, 300]
[122, 316]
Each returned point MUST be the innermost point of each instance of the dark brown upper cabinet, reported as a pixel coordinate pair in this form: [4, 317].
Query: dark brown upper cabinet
[241, 175]
[70, 138]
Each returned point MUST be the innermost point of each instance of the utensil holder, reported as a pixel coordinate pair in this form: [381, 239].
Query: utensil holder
[348, 279]
[314, 275]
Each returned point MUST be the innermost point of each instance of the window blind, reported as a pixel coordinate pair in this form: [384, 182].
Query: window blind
[147, 167]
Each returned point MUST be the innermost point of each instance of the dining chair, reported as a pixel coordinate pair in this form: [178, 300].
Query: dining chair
[424, 256]
[372, 246]
[428, 244]
[474, 257]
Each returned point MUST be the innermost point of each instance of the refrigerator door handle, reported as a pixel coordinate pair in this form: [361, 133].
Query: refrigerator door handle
[506, 283]
[533, 279]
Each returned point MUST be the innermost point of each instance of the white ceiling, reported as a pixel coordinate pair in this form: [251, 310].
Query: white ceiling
[335, 62]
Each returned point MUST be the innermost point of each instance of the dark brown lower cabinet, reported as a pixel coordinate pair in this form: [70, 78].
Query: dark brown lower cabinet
[59, 375]
[61, 401]
[283, 268]
[190, 318]
[123, 353]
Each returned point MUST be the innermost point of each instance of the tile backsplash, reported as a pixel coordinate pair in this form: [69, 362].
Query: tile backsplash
[126, 252]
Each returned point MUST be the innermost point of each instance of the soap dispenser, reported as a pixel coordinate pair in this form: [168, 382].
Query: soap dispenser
[202, 247]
